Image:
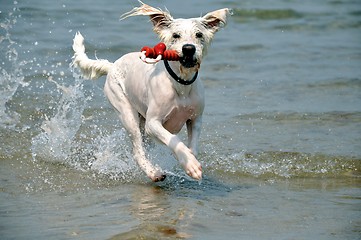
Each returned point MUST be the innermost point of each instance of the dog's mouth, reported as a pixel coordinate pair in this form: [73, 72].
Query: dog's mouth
[188, 61]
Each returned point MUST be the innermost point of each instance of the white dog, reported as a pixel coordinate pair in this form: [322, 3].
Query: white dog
[159, 97]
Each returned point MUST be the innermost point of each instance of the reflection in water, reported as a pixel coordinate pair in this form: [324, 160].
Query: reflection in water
[157, 217]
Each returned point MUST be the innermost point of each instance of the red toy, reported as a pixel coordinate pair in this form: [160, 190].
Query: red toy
[158, 53]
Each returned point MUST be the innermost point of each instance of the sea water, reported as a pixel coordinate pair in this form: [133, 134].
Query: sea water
[280, 144]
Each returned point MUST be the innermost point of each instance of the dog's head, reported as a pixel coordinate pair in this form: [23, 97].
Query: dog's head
[189, 37]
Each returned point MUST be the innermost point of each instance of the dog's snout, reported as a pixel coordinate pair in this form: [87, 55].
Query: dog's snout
[188, 59]
[188, 49]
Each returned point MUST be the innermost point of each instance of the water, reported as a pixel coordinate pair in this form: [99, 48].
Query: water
[280, 142]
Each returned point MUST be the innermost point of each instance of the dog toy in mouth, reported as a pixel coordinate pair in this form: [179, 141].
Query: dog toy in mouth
[157, 53]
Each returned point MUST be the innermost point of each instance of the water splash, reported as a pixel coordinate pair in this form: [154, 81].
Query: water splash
[112, 155]
[55, 141]
[68, 138]
[11, 75]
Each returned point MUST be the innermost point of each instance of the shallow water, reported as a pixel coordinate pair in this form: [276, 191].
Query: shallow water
[280, 144]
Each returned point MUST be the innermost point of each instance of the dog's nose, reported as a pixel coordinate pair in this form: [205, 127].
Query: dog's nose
[188, 49]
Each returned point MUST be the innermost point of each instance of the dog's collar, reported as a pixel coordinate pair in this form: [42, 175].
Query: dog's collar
[178, 79]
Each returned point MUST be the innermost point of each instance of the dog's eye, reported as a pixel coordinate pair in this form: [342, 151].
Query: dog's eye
[176, 35]
[199, 35]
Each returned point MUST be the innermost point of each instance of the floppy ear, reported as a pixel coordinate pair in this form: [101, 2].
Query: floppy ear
[216, 19]
[159, 18]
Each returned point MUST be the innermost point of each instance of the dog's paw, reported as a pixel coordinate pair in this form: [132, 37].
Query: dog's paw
[190, 165]
[156, 176]
[194, 170]
[159, 178]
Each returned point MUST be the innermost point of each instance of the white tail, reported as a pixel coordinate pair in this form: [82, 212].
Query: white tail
[91, 69]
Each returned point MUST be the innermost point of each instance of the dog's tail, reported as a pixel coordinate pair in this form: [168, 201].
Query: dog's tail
[91, 69]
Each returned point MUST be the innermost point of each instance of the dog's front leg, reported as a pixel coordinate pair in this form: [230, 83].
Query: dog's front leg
[194, 130]
[184, 155]
[131, 120]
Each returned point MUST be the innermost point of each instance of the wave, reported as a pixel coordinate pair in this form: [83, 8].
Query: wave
[354, 83]
[283, 164]
[320, 25]
[241, 15]
[322, 117]
[300, 21]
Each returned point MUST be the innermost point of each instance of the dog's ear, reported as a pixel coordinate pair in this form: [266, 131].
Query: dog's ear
[160, 19]
[216, 19]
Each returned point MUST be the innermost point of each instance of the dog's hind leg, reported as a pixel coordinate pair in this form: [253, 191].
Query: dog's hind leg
[131, 120]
